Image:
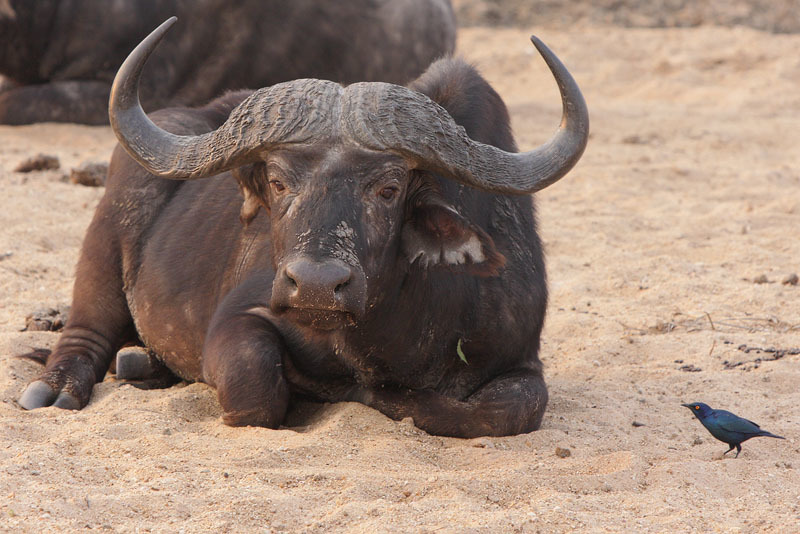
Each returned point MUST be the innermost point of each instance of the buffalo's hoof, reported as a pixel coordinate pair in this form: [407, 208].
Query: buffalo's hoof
[37, 395]
[67, 401]
[141, 369]
[134, 363]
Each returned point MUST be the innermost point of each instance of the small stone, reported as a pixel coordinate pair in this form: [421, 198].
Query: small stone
[790, 280]
[47, 319]
[637, 424]
[634, 140]
[89, 173]
[761, 279]
[563, 453]
[39, 162]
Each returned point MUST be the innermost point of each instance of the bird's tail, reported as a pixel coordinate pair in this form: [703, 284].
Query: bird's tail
[770, 435]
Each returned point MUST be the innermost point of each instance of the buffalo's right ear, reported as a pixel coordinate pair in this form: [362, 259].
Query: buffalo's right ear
[251, 184]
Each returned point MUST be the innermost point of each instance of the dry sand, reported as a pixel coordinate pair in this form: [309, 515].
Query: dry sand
[688, 193]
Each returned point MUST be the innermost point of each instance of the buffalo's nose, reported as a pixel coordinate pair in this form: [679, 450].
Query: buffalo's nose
[318, 285]
[318, 280]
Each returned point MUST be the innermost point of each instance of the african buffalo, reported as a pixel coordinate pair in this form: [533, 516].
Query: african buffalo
[62, 54]
[369, 243]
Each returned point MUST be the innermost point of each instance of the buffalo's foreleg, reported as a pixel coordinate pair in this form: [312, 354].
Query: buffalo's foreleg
[84, 102]
[242, 358]
[99, 324]
[510, 404]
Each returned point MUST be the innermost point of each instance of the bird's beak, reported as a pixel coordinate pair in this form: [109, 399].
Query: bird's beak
[687, 405]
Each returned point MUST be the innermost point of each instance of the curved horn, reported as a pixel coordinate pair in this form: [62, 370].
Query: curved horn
[375, 115]
[407, 122]
[291, 112]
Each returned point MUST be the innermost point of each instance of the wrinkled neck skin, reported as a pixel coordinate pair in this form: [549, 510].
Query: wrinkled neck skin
[25, 27]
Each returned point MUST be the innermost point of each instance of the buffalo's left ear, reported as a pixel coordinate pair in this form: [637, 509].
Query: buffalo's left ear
[438, 235]
[251, 189]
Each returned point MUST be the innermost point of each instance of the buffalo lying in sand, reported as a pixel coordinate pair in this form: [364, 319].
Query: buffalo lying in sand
[369, 243]
[60, 56]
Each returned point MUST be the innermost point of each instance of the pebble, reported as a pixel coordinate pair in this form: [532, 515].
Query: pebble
[39, 162]
[89, 173]
[47, 319]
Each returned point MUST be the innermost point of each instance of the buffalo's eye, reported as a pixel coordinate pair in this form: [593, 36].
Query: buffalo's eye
[388, 192]
[277, 186]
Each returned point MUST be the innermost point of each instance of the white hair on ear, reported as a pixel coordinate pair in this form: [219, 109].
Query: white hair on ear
[470, 250]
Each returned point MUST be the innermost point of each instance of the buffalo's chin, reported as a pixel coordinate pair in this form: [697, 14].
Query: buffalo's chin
[319, 319]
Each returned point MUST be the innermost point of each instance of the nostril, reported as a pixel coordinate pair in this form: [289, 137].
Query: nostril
[341, 286]
[290, 278]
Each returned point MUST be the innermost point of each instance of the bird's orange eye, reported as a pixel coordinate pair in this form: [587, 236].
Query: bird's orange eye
[697, 407]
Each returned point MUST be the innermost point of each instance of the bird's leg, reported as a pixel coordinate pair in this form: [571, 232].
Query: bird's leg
[729, 450]
[738, 450]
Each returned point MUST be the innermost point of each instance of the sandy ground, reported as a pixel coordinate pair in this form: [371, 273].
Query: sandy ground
[688, 193]
[778, 16]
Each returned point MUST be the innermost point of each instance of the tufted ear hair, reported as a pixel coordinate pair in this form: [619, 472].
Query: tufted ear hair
[435, 234]
[253, 190]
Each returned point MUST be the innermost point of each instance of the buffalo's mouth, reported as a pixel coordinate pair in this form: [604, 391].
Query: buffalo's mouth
[317, 318]
[324, 294]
